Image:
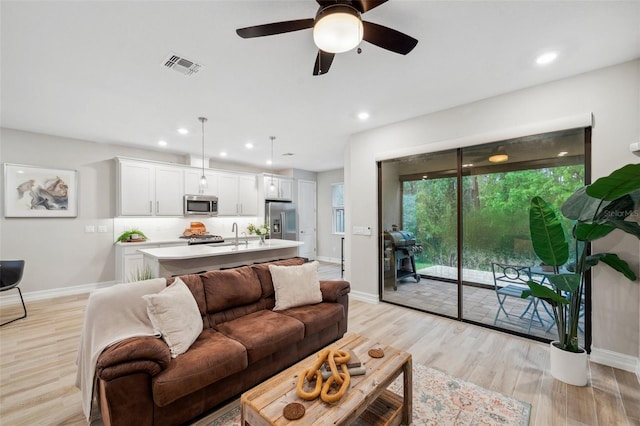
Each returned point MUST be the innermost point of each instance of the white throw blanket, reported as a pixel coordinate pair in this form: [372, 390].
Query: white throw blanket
[112, 315]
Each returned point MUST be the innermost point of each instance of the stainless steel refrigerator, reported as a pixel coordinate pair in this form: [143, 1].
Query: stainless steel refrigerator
[282, 218]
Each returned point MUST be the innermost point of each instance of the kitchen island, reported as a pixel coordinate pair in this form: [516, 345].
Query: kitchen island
[169, 261]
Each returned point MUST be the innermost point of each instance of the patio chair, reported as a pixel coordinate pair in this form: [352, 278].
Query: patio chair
[511, 281]
[10, 276]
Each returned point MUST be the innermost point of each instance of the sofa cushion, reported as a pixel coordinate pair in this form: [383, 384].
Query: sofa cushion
[316, 317]
[295, 285]
[263, 332]
[174, 313]
[230, 288]
[194, 284]
[212, 357]
[263, 273]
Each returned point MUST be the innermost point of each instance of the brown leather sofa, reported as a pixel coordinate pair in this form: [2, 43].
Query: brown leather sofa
[243, 342]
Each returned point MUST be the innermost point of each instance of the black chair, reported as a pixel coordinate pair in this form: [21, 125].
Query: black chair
[10, 276]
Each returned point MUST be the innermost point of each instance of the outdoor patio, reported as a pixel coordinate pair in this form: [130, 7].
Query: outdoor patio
[479, 304]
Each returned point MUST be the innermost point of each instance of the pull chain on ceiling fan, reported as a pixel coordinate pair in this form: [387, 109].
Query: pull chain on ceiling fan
[338, 27]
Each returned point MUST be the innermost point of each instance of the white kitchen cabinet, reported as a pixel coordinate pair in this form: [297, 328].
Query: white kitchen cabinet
[136, 188]
[248, 195]
[237, 195]
[278, 188]
[169, 191]
[130, 262]
[149, 189]
[192, 182]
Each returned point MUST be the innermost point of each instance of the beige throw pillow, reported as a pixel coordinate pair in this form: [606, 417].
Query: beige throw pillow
[295, 285]
[174, 313]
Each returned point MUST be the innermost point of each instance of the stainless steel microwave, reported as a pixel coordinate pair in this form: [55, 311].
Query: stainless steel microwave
[200, 205]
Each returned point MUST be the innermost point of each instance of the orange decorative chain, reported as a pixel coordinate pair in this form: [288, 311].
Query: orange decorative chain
[334, 358]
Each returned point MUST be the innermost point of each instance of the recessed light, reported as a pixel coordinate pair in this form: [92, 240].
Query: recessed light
[546, 58]
[183, 131]
[223, 154]
[269, 162]
[468, 165]
[248, 145]
[162, 143]
[562, 153]
[363, 115]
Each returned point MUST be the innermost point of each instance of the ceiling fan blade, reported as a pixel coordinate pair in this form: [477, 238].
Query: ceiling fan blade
[323, 62]
[388, 38]
[366, 5]
[275, 28]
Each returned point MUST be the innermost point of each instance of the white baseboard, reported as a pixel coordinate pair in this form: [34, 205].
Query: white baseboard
[364, 297]
[33, 296]
[616, 360]
[329, 259]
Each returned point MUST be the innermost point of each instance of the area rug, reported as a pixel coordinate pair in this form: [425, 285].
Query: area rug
[443, 400]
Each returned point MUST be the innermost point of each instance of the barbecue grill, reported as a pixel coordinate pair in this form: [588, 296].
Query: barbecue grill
[400, 249]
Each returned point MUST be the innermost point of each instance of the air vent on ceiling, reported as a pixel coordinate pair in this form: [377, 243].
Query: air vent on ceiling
[181, 64]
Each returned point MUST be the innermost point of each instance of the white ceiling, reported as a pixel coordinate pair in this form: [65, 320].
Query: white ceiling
[92, 70]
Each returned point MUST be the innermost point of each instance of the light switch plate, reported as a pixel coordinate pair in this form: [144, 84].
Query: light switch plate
[89, 229]
[102, 228]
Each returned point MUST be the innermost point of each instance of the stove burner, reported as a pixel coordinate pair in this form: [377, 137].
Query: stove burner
[204, 239]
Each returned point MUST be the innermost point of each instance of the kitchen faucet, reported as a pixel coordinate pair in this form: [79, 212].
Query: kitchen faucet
[234, 227]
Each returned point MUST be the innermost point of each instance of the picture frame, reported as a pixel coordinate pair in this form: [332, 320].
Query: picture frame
[39, 192]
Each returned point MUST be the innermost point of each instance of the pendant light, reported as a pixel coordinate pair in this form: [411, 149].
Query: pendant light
[203, 179]
[272, 186]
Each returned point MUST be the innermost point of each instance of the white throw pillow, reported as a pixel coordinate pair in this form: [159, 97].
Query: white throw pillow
[175, 314]
[295, 285]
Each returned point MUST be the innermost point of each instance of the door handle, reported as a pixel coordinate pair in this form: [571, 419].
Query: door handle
[157, 206]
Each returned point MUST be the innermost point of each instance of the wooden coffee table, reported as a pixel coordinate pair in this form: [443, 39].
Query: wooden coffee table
[367, 402]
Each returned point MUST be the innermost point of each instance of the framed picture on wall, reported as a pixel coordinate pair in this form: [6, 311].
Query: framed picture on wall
[32, 191]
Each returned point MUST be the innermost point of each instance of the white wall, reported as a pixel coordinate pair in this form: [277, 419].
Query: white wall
[328, 242]
[611, 94]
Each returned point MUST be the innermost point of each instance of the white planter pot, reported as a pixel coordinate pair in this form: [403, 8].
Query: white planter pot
[569, 367]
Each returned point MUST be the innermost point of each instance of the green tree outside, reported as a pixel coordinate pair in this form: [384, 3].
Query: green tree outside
[495, 214]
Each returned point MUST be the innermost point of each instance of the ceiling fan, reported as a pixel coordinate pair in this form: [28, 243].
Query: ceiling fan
[338, 27]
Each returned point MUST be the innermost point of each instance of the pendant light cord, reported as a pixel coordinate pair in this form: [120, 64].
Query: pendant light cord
[203, 178]
[272, 186]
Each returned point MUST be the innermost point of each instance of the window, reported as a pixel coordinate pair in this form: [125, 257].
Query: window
[337, 201]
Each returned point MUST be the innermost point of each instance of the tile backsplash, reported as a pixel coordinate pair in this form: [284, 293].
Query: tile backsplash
[169, 228]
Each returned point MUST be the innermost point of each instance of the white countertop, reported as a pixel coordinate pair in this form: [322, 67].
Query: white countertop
[209, 250]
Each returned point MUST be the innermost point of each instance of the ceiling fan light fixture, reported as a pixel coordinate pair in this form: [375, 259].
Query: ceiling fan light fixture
[338, 29]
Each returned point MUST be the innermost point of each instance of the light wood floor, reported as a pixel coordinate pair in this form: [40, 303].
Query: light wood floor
[37, 364]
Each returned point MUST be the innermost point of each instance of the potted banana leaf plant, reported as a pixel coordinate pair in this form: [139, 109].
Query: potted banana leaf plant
[597, 210]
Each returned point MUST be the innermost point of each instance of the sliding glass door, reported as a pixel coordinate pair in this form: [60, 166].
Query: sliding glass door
[456, 222]
[419, 242]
